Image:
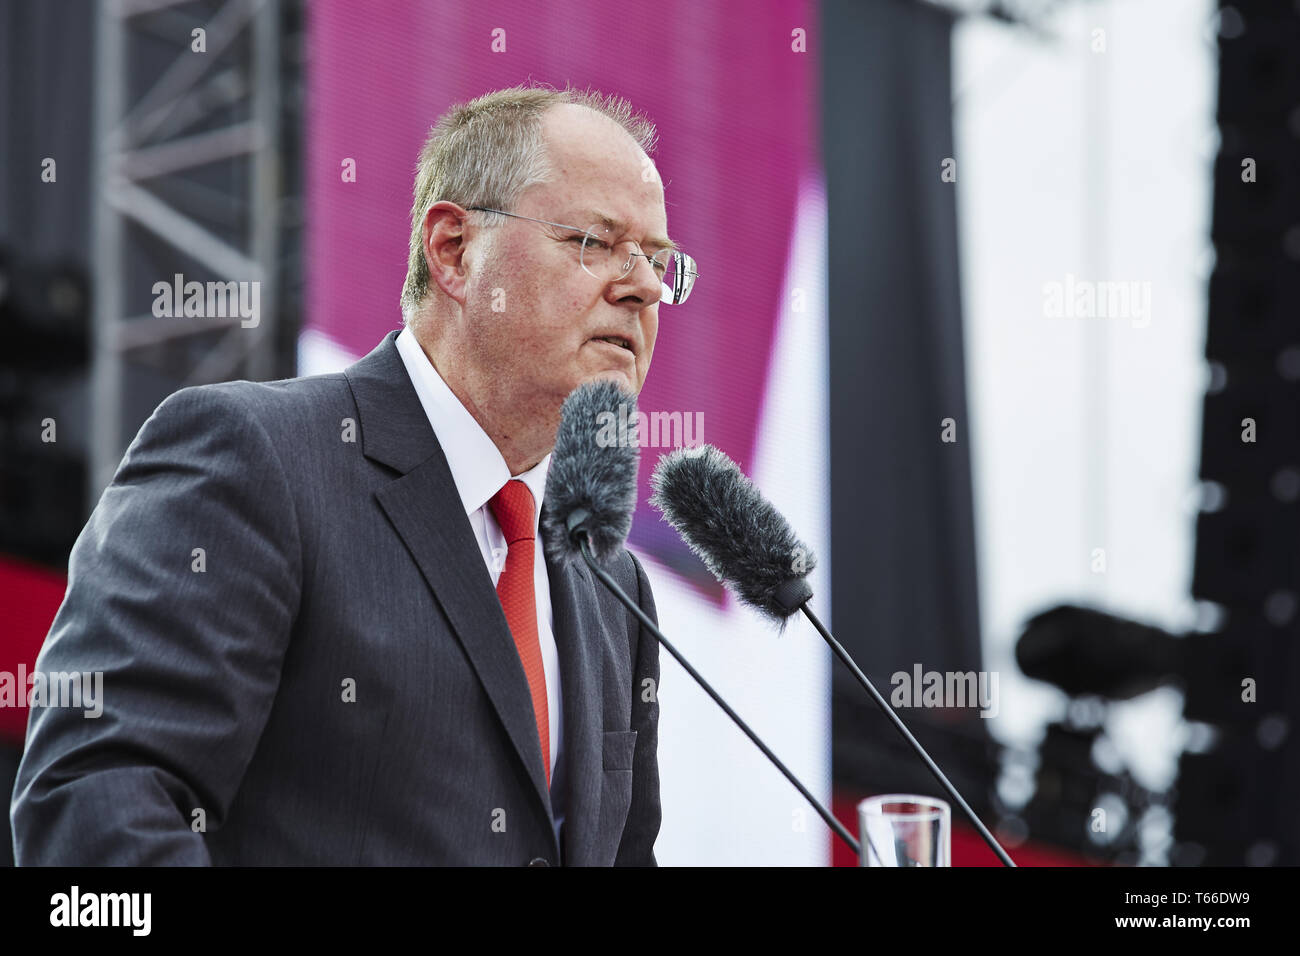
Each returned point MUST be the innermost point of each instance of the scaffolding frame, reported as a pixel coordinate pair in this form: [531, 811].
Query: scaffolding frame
[140, 142]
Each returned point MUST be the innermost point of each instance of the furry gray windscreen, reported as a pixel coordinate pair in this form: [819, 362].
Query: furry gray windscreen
[725, 519]
[593, 469]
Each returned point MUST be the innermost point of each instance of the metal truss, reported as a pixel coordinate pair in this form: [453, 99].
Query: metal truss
[180, 134]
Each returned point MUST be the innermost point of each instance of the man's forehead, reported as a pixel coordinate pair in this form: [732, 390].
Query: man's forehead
[573, 123]
[599, 173]
[584, 143]
[607, 160]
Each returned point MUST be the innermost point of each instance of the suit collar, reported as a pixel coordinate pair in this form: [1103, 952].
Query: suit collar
[577, 622]
[477, 465]
[394, 429]
[427, 513]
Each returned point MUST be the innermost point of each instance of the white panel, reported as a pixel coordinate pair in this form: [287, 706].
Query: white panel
[319, 354]
[724, 804]
[1085, 430]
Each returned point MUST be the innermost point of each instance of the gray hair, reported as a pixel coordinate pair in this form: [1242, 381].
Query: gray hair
[487, 151]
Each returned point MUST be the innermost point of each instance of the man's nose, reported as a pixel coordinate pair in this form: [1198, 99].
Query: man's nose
[642, 281]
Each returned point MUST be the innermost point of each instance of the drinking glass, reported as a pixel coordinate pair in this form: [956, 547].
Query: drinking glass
[904, 829]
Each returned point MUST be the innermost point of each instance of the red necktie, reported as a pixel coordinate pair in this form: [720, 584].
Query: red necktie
[512, 506]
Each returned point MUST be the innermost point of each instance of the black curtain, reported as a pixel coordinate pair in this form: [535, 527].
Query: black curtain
[47, 52]
[903, 552]
[46, 64]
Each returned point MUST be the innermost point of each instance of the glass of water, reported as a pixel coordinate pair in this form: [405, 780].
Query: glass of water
[903, 829]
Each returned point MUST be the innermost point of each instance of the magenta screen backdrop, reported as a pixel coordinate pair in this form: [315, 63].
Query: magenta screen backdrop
[734, 103]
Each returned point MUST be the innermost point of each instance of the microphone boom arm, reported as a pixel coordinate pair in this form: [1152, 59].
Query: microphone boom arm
[649, 625]
[843, 655]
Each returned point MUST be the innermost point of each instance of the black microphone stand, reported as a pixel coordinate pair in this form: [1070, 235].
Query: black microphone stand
[627, 602]
[796, 593]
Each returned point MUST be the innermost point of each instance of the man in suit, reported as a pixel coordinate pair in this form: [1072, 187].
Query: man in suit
[326, 630]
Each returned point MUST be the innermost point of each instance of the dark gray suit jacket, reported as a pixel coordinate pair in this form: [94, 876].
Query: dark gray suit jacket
[328, 564]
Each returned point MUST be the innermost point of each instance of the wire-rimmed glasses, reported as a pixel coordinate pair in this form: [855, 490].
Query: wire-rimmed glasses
[604, 256]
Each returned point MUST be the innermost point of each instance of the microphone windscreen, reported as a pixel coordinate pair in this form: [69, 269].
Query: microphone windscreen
[592, 478]
[739, 535]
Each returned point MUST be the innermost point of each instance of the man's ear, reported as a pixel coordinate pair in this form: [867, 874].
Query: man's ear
[443, 236]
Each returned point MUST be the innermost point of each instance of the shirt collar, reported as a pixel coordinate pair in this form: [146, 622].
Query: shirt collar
[477, 466]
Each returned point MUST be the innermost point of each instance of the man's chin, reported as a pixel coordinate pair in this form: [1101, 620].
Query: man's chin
[622, 379]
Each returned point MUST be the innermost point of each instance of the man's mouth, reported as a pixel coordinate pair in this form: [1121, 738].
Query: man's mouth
[616, 340]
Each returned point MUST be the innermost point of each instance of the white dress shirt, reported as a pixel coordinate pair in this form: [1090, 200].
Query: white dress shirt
[480, 471]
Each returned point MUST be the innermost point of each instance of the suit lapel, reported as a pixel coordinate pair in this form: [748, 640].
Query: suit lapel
[576, 617]
[426, 511]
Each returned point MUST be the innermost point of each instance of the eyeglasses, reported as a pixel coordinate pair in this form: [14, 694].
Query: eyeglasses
[609, 259]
